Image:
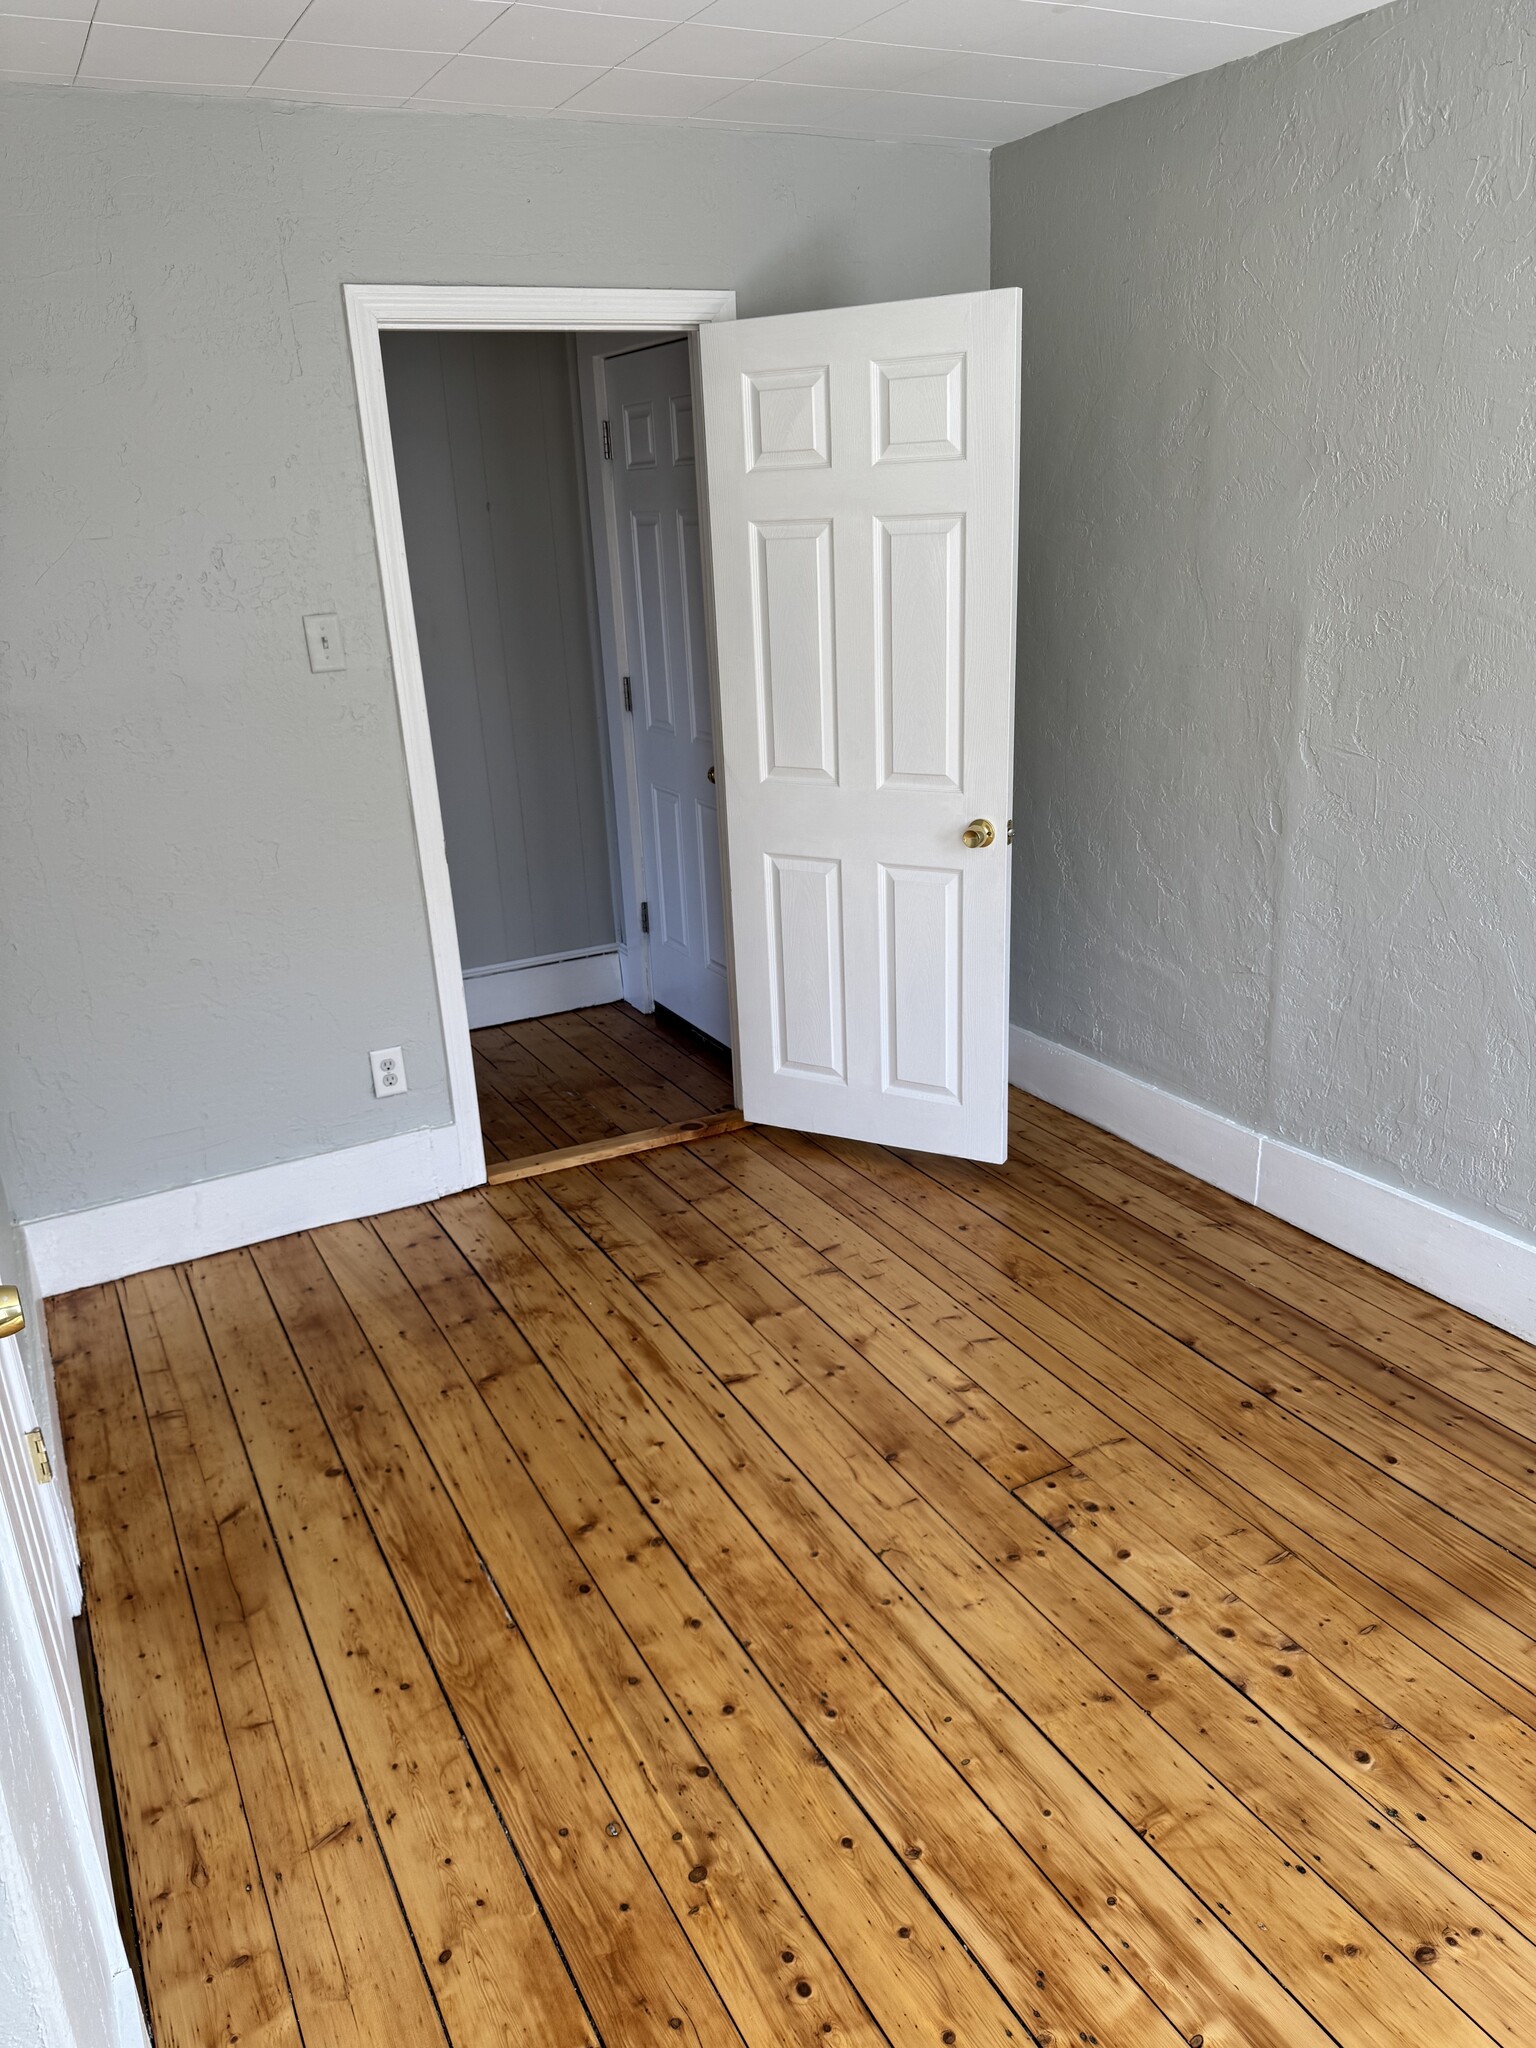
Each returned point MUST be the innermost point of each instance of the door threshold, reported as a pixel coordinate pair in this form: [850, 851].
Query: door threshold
[620, 1145]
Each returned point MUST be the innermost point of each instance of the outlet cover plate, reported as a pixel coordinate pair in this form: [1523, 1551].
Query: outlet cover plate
[388, 1072]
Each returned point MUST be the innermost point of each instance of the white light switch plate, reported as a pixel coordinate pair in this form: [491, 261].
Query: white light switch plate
[322, 635]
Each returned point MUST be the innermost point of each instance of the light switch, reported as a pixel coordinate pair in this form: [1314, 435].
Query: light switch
[322, 633]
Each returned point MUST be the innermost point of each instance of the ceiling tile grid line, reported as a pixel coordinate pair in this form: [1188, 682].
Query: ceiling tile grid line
[969, 73]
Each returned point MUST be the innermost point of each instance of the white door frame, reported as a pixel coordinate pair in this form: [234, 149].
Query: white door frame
[371, 308]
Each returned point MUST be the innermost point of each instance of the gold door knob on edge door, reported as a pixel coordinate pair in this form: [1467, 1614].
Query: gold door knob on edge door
[979, 832]
[12, 1319]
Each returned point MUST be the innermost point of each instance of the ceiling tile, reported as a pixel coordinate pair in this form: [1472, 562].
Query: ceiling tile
[1289, 17]
[341, 68]
[668, 10]
[53, 10]
[901, 67]
[820, 109]
[1096, 35]
[653, 95]
[1029, 81]
[214, 17]
[40, 48]
[797, 17]
[847, 61]
[293, 95]
[445, 25]
[507, 82]
[944, 119]
[152, 56]
[720, 52]
[559, 35]
[1077, 34]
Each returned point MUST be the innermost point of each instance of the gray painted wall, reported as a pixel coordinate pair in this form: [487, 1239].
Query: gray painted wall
[212, 903]
[1276, 822]
[490, 496]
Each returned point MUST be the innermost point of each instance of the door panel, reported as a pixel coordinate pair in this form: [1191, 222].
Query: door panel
[863, 503]
[919, 605]
[920, 980]
[796, 662]
[655, 484]
[806, 966]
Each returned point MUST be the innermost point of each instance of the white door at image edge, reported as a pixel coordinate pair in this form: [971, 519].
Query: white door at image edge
[863, 482]
[656, 500]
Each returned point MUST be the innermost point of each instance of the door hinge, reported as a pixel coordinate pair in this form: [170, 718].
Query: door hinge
[37, 1451]
[629, 696]
[607, 443]
[645, 917]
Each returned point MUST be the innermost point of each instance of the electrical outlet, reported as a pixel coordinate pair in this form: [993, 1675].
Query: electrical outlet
[388, 1072]
[322, 636]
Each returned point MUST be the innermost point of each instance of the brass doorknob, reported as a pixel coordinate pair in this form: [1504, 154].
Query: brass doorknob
[12, 1318]
[979, 832]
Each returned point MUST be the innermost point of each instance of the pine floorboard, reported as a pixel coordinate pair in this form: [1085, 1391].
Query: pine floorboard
[784, 1591]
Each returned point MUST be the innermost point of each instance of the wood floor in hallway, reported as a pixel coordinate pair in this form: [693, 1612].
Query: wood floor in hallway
[782, 1594]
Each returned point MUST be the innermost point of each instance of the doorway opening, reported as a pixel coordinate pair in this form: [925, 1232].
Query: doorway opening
[547, 487]
[837, 620]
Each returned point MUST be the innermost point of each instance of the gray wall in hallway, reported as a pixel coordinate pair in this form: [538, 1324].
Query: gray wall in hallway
[212, 898]
[1276, 829]
[486, 452]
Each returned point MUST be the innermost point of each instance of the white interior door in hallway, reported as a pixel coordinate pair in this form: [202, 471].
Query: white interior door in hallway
[656, 502]
[863, 504]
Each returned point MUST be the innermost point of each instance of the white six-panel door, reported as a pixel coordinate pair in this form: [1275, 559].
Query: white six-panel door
[863, 509]
[661, 577]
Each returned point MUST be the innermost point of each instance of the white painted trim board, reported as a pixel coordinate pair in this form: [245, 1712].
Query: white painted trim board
[540, 988]
[1489, 1272]
[94, 1245]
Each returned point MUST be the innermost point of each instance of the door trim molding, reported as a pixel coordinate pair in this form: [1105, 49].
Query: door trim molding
[1474, 1265]
[370, 309]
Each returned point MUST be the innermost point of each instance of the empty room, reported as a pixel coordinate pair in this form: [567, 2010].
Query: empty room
[767, 1146]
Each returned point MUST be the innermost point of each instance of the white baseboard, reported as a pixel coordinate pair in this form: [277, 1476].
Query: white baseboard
[1209, 1146]
[93, 1245]
[538, 988]
[1488, 1272]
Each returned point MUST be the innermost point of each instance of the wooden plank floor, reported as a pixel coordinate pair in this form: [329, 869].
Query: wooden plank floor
[780, 1592]
[538, 1078]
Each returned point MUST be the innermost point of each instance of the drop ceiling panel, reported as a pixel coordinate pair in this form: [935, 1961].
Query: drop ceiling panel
[168, 57]
[40, 48]
[211, 17]
[507, 82]
[971, 73]
[561, 35]
[721, 52]
[341, 68]
[649, 95]
[446, 25]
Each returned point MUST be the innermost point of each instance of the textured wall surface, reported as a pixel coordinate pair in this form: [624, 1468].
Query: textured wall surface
[485, 436]
[212, 908]
[1277, 721]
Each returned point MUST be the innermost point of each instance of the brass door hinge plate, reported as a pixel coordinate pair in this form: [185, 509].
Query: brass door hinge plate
[37, 1451]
